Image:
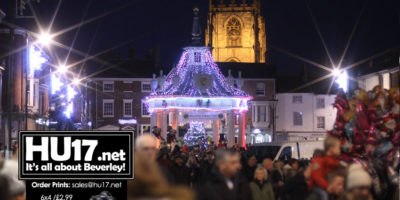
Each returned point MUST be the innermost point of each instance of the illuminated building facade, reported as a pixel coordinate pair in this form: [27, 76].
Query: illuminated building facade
[236, 31]
[30, 96]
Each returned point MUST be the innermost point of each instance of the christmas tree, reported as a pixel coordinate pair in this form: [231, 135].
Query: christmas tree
[195, 134]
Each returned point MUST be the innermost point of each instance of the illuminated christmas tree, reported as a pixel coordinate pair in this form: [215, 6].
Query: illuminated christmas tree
[195, 134]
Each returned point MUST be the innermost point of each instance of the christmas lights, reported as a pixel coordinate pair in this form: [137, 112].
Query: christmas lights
[197, 103]
[70, 95]
[196, 135]
[36, 60]
[56, 83]
[196, 83]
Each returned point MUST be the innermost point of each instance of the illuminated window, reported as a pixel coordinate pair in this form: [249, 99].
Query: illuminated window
[297, 118]
[108, 107]
[145, 112]
[234, 31]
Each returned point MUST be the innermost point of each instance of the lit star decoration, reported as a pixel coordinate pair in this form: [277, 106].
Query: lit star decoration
[56, 84]
[70, 95]
[36, 60]
[179, 90]
[342, 80]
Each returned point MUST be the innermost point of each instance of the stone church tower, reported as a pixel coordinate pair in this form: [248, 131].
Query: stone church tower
[236, 31]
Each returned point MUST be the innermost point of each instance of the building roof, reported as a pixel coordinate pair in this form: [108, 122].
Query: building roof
[197, 75]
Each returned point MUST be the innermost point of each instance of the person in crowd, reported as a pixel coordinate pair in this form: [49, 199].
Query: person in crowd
[225, 181]
[334, 189]
[296, 188]
[222, 143]
[291, 168]
[159, 139]
[180, 171]
[261, 188]
[194, 168]
[268, 165]
[149, 183]
[207, 165]
[249, 167]
[164, 160]
[358, 184]
[4, 188]
[146, 146]
[277, 177]
[320, 166]
[16, 187]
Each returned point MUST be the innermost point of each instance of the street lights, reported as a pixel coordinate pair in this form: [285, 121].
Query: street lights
[45, 39]
[273, 102]
[76, 81]
[62, 69]
[341, 78]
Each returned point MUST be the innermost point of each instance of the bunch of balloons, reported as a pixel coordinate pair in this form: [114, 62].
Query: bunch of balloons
[368, 125]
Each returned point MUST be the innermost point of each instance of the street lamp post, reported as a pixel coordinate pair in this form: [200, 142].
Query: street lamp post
[273, 102]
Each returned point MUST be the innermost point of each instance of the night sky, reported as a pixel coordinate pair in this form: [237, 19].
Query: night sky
[167, 23]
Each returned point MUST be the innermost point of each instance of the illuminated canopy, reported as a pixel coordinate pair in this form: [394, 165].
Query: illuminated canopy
[196, 83]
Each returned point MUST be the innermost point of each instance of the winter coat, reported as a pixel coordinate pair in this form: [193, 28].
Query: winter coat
[320, 166]
[248, 172]
[263, 193]
[180, 174]
[215, 188]
[276, 177]
[295, 188]
[349, 196]
[206, 168]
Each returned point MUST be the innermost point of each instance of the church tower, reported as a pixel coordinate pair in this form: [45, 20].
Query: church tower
[236, 31]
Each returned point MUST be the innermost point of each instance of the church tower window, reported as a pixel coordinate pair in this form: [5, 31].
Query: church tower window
[234, 32]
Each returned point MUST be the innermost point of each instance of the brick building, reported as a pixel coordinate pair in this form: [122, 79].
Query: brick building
[114, 96]
[29, 88]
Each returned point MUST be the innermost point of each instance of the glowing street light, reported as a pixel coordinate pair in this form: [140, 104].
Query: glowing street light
[45, 39]
[336, 72]
[76, 81]
[62, 69]
[341, 78]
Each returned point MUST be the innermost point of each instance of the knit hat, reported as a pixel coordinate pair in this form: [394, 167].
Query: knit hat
[357, 177]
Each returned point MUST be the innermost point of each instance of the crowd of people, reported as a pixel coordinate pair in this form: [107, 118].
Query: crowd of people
[232, 173]
[221, 173]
